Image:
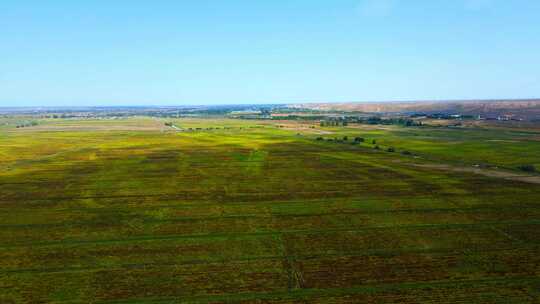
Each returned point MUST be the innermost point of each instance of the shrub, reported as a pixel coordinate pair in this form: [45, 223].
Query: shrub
[374, 142]
[320, 138]
[376, 147]
[406, 152]
[527, 168]
[391, 149]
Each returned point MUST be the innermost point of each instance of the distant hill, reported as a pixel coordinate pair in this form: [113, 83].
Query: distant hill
[528, 109]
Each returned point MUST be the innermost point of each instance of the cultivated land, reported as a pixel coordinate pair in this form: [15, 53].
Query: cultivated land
[132, 211]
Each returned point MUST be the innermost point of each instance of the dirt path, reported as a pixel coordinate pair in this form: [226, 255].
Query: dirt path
[533, 179]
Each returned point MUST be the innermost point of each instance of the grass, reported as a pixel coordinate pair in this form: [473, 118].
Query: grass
[112, 213]
[502, 147]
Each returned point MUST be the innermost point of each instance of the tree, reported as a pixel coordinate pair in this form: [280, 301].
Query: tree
[345, 138]
[376, 147]
[391, 149]
[358, 139]
[374, 142]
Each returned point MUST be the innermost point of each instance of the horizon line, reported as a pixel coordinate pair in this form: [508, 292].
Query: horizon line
[280, 103]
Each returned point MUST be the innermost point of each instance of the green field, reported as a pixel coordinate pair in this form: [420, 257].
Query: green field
[238, 211]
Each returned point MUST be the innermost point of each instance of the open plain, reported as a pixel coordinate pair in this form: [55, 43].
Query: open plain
[243, 211]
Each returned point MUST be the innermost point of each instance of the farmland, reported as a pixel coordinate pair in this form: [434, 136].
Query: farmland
[229, 210]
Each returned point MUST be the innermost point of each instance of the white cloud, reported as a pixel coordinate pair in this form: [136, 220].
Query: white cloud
[377, 8]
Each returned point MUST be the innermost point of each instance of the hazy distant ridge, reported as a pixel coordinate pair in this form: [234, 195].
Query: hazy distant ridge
[525, 108]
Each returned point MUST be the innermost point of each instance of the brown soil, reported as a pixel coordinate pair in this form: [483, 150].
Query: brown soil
[486, 172]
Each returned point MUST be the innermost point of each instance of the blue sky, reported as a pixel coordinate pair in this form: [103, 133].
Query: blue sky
[72, 53]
